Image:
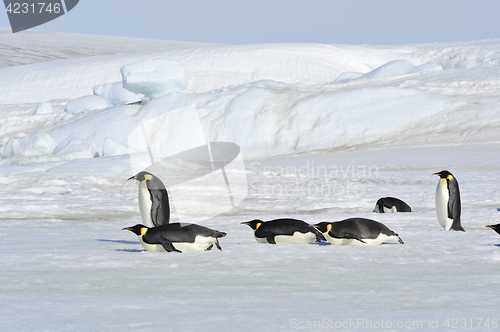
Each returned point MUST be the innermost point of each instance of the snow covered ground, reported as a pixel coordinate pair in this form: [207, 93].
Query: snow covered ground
[324, 131]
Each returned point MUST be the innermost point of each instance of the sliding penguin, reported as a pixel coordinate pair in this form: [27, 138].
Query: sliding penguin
[496, 228]
[448, 206]
[284, 231]
[391, 204]
[153, 200]
[177, 237]
[357, 232]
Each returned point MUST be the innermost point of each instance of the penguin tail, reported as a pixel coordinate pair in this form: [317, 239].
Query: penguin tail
[399, 239]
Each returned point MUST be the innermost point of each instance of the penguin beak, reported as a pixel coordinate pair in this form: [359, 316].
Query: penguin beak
[436, 174]
[245, 223]
[127, 228]
[130, 178]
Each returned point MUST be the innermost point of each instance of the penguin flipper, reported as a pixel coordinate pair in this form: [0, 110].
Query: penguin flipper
[353, 236]
[400, 241]
[155, 212]
[209, 247]
[217, 244]
[168, 246]
[270, 239]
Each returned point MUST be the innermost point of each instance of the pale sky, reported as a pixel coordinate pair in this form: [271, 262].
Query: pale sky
[269, 21]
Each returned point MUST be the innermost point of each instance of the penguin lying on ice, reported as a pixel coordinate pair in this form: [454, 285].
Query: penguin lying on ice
[177, 237]
[284, 231]
[391, 204]
[357, 232]
[153, 200]
[448, 205]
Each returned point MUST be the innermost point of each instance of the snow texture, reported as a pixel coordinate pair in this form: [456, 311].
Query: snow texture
[323, 132]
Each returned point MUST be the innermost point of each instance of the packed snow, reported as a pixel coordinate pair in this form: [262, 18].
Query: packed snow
[307, 131]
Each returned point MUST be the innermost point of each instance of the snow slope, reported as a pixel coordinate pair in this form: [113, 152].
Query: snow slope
[324, 131]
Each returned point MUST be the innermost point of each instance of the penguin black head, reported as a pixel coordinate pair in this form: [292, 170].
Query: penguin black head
[137, 229]
[141, 176]
[254, 224]
[496, 228]
[444, 174]
[322, 226]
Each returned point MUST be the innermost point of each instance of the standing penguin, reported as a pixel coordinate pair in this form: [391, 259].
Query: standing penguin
[448, 206]
[153, 200]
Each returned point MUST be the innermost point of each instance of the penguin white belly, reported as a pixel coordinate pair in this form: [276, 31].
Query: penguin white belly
[381, 238]
[391, 210]
[200, 243]
[442, 197]
[151, 247]
[297, 237]
[261, 239]
[145, 204]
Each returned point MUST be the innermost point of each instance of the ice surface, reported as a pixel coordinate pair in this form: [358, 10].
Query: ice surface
[44, 108]
[86, 103]
[115, 94]
[153, 78]
[313, 149]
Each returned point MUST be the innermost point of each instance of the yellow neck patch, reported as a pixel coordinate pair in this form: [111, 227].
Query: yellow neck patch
[143, 230]
[328, 227]
[258, 225]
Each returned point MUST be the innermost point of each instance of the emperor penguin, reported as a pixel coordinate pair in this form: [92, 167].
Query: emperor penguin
[448, 206]
[177, 237]
[390, 205]
[357, 232]
[496, 228]
[284, 231]
[153, 200]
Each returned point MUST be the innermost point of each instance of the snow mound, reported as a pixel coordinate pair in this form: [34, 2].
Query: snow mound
[392, 68]
[44, 108]
[112, 147]
[154, 78]
[74, 147]
[36, 144]
[86, 103]
[115, 94]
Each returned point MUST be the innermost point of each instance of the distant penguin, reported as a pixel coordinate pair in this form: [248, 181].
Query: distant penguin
[391, 204]
[177, 237]
[357, 232]
[448, 206]
[153, 200]
[496, 228]
[284, 231]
